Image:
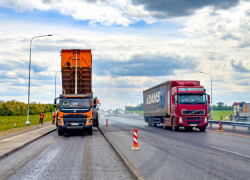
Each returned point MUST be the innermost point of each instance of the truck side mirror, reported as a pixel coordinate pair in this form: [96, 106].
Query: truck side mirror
[55, 106]
[173, 101]
[208, 97]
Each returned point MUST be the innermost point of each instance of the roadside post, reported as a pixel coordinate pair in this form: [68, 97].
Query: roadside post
[226, 118]
[107, 123]
[245, 110]
[135, 135]
[219, 127]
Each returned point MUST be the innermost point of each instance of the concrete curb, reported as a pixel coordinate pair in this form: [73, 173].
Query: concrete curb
[127, 163]
[20, 147]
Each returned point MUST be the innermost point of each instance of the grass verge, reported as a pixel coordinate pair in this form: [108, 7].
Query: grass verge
[8, 122]
[140, 112]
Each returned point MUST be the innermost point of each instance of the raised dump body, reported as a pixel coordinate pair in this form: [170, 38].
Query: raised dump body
[83, 72]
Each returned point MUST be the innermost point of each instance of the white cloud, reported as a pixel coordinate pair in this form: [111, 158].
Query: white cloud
[216, 41]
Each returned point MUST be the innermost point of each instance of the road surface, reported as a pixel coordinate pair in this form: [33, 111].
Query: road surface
[65, 157]
[165, 154]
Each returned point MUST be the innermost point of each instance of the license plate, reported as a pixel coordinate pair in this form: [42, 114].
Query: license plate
[74, 124]
[193, 124]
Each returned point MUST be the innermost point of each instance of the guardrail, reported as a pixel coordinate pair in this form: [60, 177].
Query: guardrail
[231, 123]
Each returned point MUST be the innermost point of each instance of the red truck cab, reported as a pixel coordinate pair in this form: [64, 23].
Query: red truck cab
[188, 106]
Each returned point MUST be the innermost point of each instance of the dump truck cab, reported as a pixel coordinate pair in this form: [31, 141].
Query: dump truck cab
[75, 113]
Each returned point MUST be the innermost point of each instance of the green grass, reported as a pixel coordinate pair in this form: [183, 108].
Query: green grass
[140, 112]
[8, 122]
[216, 114]
[219, 113]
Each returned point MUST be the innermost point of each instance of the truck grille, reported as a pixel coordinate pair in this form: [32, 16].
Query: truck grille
[193, 118]
[193, 122]
[191, 112]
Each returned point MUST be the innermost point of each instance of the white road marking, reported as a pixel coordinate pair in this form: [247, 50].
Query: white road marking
[230, 152]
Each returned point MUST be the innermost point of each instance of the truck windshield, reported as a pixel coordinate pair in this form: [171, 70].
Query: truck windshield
[75, 103]
[192, 99]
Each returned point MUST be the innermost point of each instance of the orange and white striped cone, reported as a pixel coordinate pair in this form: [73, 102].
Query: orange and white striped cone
[135, 140]
[219, 127]
[107, 124]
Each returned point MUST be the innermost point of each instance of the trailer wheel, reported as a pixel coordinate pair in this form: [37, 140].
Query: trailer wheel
[150, 122]
[60, 132]
[174, 128]
[154, 124]
[202, 129]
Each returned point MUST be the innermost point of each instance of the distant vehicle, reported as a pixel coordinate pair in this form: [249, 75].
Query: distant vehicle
[241, 111]
[177, 104]
[77, 108]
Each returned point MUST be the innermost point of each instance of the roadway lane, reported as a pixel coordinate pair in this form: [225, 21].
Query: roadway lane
[165, 154]
[65, 157]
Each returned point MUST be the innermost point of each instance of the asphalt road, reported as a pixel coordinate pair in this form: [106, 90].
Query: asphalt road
[65, 157]
[165, 154]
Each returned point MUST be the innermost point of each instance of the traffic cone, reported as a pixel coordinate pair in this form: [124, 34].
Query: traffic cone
[220, 130]
[107, 123]
[135, 140]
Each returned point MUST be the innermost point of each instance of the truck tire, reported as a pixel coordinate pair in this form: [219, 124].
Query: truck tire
[148, 122]
[164, 125]
[60, 132]
[90, 132]
[154, 124]
[174, 128]
[203, 129]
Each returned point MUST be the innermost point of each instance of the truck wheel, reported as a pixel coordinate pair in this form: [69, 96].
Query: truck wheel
[174, 128]
[202, 129]
[60, 132]
[150, 122]
[154, 124]
[90, 132]
[164, 125]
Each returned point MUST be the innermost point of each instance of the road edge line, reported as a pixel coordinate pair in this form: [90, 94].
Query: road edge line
[127, 163]
[27, 143]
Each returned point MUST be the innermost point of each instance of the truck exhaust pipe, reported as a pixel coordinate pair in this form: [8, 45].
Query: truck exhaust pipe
[76, 75]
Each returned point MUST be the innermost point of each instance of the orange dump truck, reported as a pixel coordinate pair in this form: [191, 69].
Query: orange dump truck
[77, 108]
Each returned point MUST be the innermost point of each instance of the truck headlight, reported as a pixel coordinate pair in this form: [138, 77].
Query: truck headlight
[89, 121]
[60, 122]
[180, 120]
[205, 120]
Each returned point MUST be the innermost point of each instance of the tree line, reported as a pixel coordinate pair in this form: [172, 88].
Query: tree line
[218, 106]
[136, 108]
[15, 108]
[222, 106]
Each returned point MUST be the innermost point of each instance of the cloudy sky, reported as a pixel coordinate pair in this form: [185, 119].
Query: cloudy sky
[135, 44]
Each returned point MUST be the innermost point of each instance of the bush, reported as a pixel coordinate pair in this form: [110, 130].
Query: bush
[15, 108]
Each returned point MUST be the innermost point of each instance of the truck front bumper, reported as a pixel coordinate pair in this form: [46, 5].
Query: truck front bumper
[66, 127]
[192, 122]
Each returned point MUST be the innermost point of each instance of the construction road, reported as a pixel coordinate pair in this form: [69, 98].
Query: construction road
[74, 156]
[163, 154]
